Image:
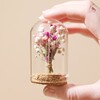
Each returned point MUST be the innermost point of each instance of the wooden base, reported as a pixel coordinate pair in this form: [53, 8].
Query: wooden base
[49, 79]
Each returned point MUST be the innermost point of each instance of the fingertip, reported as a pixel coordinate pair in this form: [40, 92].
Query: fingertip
[41, 17]
[54, 14]
[47, 14]
[49, 91]
[46, 11]
[45, 88]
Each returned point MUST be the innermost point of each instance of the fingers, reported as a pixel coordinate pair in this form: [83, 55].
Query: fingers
[73, 10]
[69, 92]
[93, 16]
[76, 12]
[62, 15]
[57, 91]
[70, 20]
[84, 92]
[79, 28]
[75, 27]
[55, 14]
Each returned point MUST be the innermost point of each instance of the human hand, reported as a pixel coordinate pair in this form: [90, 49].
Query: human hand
[84, 15]
[85, 18]
[72, 92]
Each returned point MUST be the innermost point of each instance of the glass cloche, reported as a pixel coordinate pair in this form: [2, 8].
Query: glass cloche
[49, 48]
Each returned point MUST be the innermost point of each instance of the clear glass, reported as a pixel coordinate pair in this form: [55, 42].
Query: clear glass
[49, 48]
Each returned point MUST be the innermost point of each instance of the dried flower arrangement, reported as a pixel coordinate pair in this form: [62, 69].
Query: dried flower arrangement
[49, 42]
[48, 39]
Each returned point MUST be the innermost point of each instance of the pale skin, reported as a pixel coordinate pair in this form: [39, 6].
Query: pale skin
[81, 13]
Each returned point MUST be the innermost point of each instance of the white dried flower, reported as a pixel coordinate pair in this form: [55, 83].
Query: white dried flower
[61, 28]
[62, 36]
[63, 40]
[37, 39]
[44, 51]
[41, 28]
[49, 22]
[35, 46]
[52, 43]
[52, 29]
[37, 50]
[41, 34]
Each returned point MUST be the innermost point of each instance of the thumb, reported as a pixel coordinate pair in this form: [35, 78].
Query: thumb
[69, 92]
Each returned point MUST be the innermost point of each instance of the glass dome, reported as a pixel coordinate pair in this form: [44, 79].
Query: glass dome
[49, 47]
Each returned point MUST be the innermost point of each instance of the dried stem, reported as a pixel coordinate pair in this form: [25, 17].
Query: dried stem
[50, 69]
[51, 57]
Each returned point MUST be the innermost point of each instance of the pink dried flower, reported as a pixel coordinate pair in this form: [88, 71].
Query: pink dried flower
[54, 37]
[44, 39]
[47, 34]
[57, 45]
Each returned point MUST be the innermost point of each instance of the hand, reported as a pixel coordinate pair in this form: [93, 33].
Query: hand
[84, 15]
[72, 92]
[85, 18]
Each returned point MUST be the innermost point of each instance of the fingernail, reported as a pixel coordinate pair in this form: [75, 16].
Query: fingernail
[41, 18]
[46, 11]
[49, 92]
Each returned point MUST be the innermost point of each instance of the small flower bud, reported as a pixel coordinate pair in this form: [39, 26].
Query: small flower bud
[37, 39]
